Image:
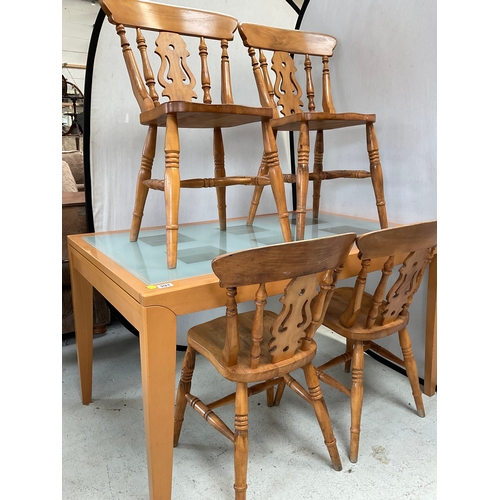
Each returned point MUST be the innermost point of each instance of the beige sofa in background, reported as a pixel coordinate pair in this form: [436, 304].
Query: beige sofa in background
[74, 221]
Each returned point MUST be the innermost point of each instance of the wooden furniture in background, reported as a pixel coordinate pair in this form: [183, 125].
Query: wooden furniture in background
[259, 349]
[284, 97]
[363, 318]
[72, 100]
[179, 111]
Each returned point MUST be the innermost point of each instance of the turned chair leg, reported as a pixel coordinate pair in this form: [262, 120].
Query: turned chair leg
[356, 399]
[270, 396]
[257, 192]
[321, 411]
[302, 180]
[270, 166]
[279, 393]
[411, 370]
[376, 174]
[220, 171]
[172, 189]
[318, 170]
[276, 179]
[349, 346]
[141, 191]
[183, 389]
[240, 441]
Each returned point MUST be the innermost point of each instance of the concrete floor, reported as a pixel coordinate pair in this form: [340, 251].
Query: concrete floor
[103, 446]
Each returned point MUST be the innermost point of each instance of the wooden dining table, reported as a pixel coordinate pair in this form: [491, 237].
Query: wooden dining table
[134, 278]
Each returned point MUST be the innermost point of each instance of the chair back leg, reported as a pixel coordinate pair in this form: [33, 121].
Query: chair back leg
[241, 441]
[376, 174]
[257, 192]
[321, 411]
[220, 172]
[318, 170]
[411, 370]
[356, 398]
[141, 190]
[183, 389]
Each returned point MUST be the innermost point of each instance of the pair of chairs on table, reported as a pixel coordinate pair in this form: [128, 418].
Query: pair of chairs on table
[258, 350]
[283, 97]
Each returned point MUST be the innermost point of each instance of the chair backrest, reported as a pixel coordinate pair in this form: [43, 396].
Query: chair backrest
[284, 95]
[172, 24]
[305, 298]
[418, 244]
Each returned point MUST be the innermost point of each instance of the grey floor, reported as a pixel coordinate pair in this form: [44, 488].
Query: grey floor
[103, 445]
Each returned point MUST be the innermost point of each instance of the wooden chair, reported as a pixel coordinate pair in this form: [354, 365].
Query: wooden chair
[174, 25]
[284, 97]
[259, 347]
[363, 318]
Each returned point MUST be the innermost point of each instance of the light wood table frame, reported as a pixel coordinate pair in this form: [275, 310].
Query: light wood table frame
[153, 312]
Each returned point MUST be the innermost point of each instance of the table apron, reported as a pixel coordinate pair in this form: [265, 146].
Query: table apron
[119, 298]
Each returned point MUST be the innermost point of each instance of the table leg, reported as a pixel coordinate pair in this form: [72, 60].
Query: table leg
[82, 295]
[158, 347]
[430, 368]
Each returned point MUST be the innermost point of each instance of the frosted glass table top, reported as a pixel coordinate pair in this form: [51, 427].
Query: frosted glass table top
[200, 243]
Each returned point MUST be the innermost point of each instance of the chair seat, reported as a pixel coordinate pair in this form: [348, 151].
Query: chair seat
[321, 120]
[208, 339]
[201, 115]
[358, 331]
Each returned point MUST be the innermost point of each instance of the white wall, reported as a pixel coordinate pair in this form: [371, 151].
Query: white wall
[385, 63]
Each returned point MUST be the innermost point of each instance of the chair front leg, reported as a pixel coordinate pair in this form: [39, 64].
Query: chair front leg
[183, 389]
[270, 396]
[257, 192]
[220, 171]
[376, 174]
[302, 180]
[172, 188]
[348, 347]
[318, 170]
[411, 370]
[276, 179]
[240, 441]
[321, 411]
[356, 398]
[141, 191]
[279, 393]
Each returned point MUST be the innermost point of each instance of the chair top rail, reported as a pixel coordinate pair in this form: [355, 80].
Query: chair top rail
[160, 17]
[285, 40]
[397, 240]
[282, 261]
